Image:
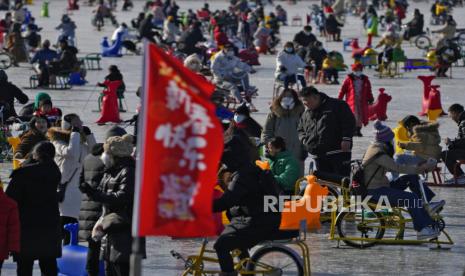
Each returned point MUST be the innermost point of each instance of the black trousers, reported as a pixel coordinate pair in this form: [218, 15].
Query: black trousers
[338, 163]
[450, 157]
[66, 234]
[116, 269]
[93, 257]
[48, 266]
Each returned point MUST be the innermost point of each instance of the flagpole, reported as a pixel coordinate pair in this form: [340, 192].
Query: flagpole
[137, 241]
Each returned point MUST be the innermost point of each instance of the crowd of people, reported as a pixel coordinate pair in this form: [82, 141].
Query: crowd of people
[78, 180]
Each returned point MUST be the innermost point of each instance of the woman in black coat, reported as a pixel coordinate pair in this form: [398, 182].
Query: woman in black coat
[116, 193]
[34, 188]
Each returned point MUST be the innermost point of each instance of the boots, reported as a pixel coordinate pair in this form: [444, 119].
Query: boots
[234, 273]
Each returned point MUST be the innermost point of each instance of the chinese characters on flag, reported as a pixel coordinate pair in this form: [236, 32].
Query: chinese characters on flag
[180, 149]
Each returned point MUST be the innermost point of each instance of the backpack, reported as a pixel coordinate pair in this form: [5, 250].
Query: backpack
[358, 186]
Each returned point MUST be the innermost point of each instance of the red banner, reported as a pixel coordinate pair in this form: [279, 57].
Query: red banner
[180, 146]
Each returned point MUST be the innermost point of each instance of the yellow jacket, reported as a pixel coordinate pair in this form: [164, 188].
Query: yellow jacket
[401, 136]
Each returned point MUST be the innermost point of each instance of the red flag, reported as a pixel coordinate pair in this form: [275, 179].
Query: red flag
[180, 146]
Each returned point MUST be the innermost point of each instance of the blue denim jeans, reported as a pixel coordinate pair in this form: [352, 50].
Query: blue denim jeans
[294, 78]
[411, 200]
[405, 159]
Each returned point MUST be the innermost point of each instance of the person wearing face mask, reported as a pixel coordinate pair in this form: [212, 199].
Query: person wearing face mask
[36, 133]
[72, 142]
[243, 121]
[288, 64]
[283, 165]
[303, 39]
[116, 193]
[378, 160]
[282, 121]
[325, 130]
[229, 72]
[92, 173]
[356, 89]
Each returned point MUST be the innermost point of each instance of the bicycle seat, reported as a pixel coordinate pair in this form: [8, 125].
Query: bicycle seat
[285, 235]
[330, 177]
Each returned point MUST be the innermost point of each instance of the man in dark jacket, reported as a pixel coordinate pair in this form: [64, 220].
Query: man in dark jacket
[67, 61]
[146, 28]
[190, 39]
[315, 55]
[303, 40]
[8, 93]
[326, 129]
[305, 37]
[92, 173]
[244, 200]
[456, 147]
[34, 188]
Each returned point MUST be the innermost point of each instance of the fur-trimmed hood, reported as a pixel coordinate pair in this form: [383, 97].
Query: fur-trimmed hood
[279, 111]
[426, 127]
[58, 134]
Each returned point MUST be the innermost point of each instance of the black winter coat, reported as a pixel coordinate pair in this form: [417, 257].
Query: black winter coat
[92, 173]
[321, 131]
[304, 40]
[116, 193]
[459, 142]
[34, 187]
[244, 201]
[332, 25]
[190, 39]
[10, 92]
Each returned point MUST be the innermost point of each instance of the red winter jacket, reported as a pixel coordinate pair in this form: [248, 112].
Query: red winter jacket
[221, 38]
[9, 226]
[348, 91]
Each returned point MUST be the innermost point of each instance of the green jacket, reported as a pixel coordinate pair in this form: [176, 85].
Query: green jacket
[285, 169]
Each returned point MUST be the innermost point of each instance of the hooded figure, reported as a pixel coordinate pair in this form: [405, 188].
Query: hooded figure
[30, 138]
[116, 193]
[91, 210]
[243, 121]
[243, 200]
[356, 89]
[73, 142]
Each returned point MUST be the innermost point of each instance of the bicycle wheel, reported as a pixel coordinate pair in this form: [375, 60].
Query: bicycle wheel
[423, 42]
[360, 224]
[283, 260]
[5, 61]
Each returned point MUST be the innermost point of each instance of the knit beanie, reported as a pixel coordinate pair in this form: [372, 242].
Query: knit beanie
[119, 146]
[382, 133]
[40, 97]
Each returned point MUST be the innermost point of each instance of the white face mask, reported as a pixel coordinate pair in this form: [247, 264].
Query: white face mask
[287, 103]
[230, 53]
[239, 118]
[358, 73]
[107, 160]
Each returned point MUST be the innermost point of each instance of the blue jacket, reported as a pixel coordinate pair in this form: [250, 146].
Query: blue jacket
[44, 55]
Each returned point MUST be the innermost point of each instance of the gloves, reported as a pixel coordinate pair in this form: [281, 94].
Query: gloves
[282, 68]
[86, 131]
[75, 129]
[264, 165]
[15, 256]
[61, 193]
[85, 188]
